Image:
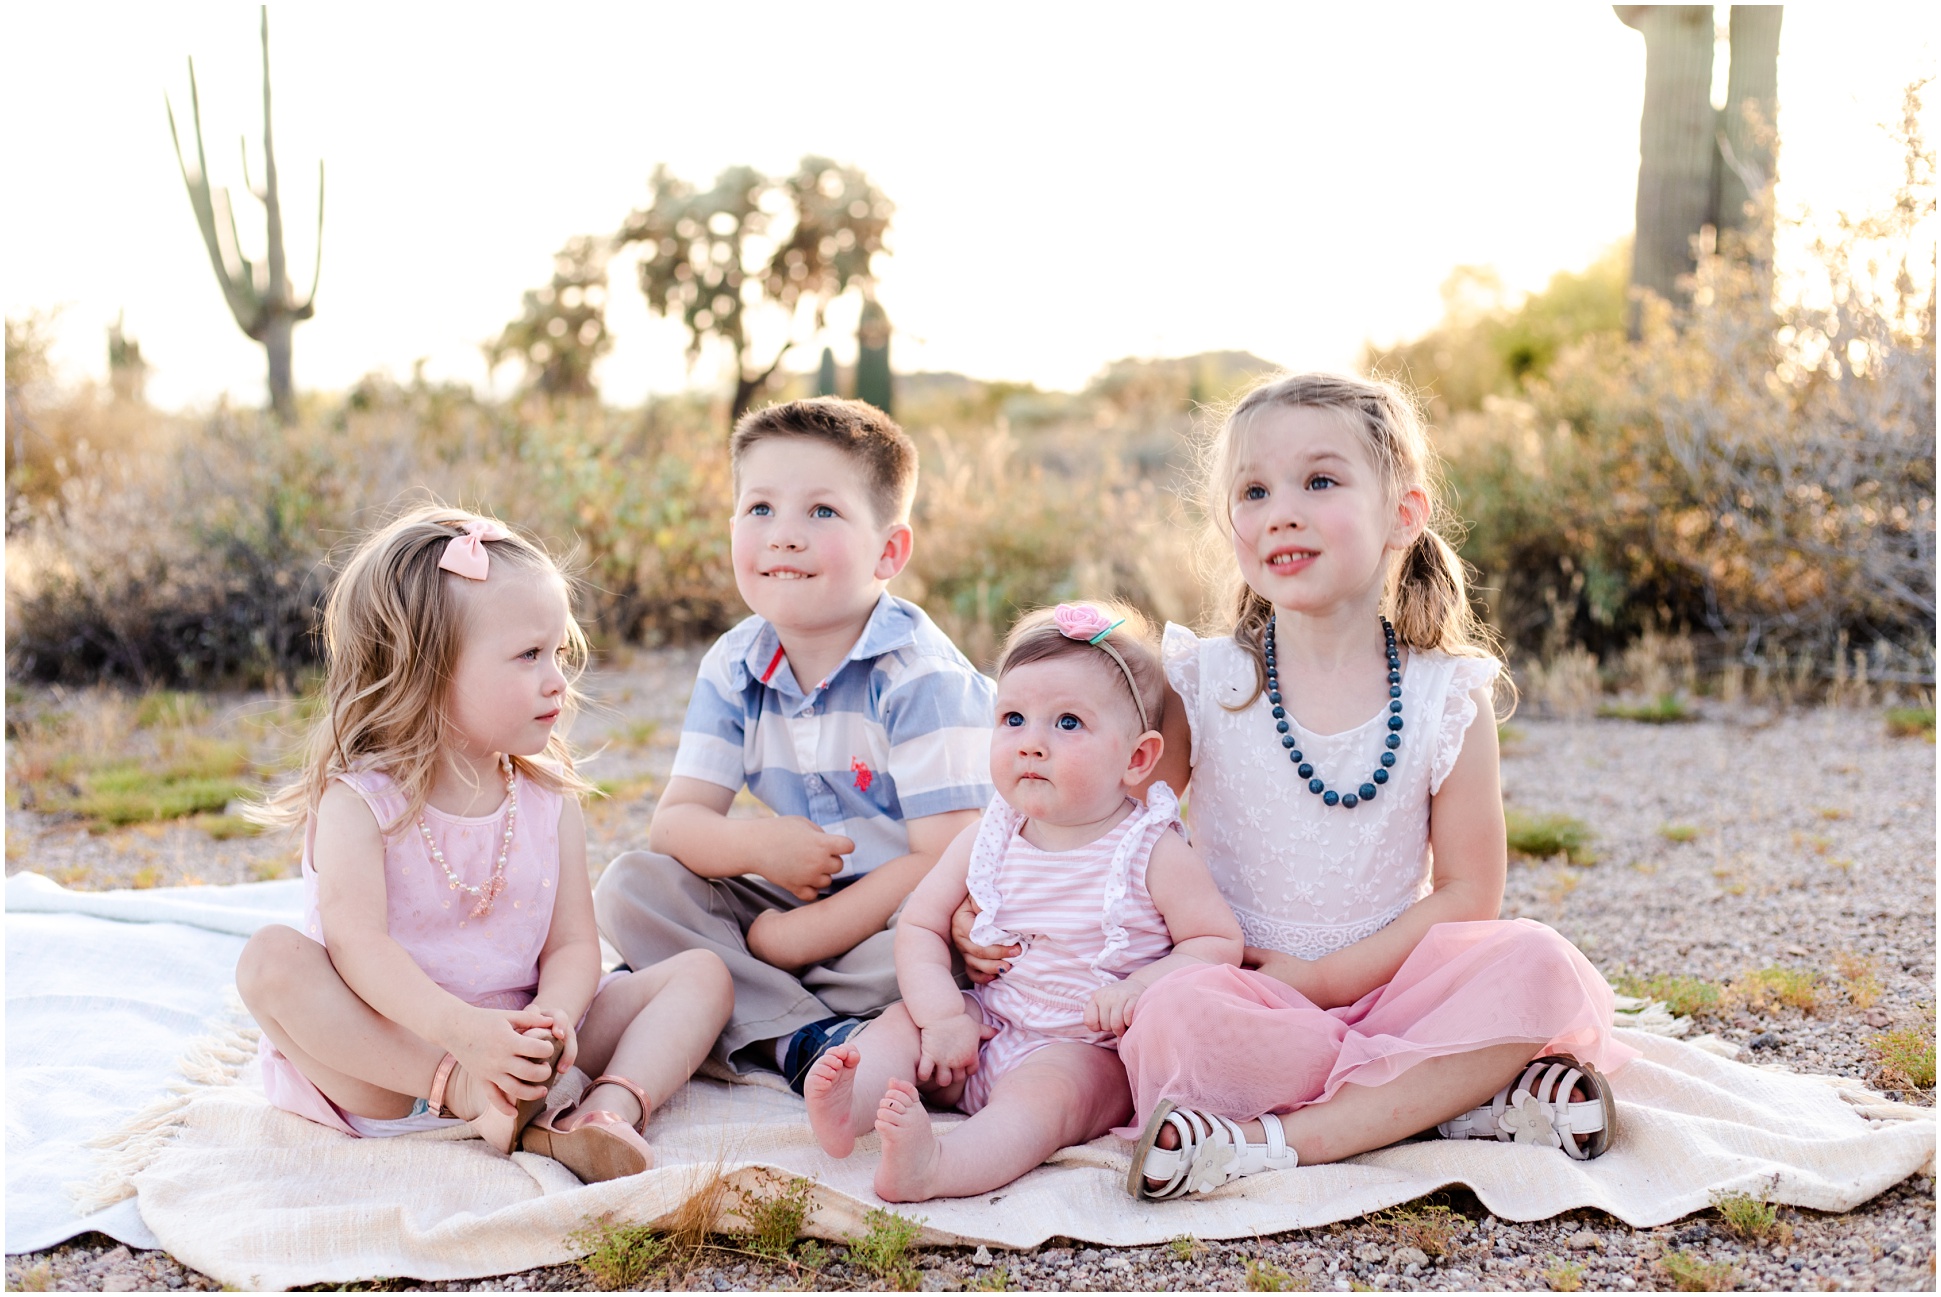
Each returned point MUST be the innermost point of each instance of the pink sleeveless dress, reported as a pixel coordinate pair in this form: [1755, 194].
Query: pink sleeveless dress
[490, 962]
[1084, 918]
[1307, 880]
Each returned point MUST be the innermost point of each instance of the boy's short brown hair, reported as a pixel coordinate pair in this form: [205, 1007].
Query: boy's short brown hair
[881, 449]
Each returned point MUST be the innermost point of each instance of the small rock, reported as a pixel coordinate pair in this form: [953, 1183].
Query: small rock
[1089, 1254]
[940, 1281]
[1059, 1256]
[1371, 1253]
[1410, 1256]
[1489, 1222]
[123, 1281]
[1583, 1240]
[982, 1256]
[1412, 1271]
[1764, 1040]
[1877, 1017]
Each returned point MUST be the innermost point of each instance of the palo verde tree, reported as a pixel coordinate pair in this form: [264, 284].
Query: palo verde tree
[756, 244]
[1699, 166]
[258, 297]
[562, 330]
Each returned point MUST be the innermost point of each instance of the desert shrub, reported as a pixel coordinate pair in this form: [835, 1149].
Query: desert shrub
[1758, 468]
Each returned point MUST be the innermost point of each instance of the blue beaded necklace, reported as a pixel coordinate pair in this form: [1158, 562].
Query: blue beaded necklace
[1315, 784]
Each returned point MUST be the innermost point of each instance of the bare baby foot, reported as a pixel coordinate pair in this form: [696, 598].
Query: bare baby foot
[910, 1147]
[830, 1091]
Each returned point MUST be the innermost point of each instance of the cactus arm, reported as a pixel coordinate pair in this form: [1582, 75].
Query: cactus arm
[278, 297]
[309, 307]
[239, 294]
[245, 273]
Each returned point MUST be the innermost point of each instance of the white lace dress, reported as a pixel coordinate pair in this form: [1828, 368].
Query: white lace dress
[1308, 879]
[1304, 878]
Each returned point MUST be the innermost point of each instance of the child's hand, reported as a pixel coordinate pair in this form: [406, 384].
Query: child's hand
[801, 856]
[492, 1046]
[1304, 975]
[563, 1029]
[948, 1050]
[983, 963]
[1110, 1008]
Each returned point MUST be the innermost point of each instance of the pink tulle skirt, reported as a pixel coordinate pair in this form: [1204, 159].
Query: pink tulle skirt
[1237, 1043]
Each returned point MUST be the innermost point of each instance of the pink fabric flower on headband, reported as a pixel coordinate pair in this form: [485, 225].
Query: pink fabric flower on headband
[1082, 621]
[466, 555]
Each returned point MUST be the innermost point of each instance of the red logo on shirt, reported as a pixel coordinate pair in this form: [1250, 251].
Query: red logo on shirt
[864, 776]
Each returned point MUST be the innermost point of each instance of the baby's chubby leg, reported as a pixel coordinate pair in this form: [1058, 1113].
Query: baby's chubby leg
[843, 1087]
[1063, 1094]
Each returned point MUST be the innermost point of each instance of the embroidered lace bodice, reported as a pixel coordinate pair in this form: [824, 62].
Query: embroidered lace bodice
[1304, 878]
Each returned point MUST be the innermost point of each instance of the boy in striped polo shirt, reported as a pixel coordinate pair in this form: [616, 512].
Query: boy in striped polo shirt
[842, 709]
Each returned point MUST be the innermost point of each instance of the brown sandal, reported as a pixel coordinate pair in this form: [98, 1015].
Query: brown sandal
[599, 1145]
[494, 1127]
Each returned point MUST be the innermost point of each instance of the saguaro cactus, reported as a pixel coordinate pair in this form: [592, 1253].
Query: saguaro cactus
[873, 381]
[262, 303]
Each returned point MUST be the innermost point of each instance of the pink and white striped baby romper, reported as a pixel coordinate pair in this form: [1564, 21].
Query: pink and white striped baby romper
[1084, 918]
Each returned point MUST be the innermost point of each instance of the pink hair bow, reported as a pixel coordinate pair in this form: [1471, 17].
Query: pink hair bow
[466, 555]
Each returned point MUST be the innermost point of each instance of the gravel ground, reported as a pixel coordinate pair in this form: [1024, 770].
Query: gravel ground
[1746, 840]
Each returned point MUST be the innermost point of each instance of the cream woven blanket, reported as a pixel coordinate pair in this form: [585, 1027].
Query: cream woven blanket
[261, 1199]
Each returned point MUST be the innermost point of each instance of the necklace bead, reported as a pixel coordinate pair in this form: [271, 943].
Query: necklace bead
[488, 891]
[1316, 785]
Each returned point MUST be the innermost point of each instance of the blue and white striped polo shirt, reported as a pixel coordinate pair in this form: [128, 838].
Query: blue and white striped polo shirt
[900, 730]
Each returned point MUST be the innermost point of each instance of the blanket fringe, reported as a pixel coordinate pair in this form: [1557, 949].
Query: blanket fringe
[213, 1060]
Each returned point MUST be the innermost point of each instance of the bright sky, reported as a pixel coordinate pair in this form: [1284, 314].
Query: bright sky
[1074, 183]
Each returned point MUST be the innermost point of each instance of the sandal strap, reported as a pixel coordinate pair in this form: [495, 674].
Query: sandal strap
[614, 1078]
[1213, 1150]
[1536, 1108]
[435, 1100]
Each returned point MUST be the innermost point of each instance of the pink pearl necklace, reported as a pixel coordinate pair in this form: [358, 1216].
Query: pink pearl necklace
[488, 891]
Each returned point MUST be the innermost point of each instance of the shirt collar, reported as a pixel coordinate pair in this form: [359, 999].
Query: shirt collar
[891, 626]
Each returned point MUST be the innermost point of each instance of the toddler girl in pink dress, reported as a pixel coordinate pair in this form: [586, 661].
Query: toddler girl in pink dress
[1099, 890]
[449, 969]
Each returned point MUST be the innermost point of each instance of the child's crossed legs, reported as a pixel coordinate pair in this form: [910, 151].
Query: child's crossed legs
[1065, 1093]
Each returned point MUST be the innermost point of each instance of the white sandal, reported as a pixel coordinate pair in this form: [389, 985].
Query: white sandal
[1537, 1109]
[1212, 1150]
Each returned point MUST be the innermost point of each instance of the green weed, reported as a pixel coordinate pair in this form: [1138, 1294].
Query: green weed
[1434, 1229]
[1751, 1218]
[998, 1280]
[171, 709]
[1665, 709]
[1565, 1276]
[194, 774]
[812, 1255]
[884, 1248]
[1263, 1276]
[266, 871]
[1185, 1247]
[1678, 832]
[1795, 988]
[1691, 1273]
[638, 734]
[774, 1219]
[1542, 836]
[1862, 979]
[1911, 723]
[617, 1257]
[224, 827]
[1907, 1056]
[1684, 996]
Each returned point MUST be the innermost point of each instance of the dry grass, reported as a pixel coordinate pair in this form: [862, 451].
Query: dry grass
[1564, 1276]
[1752, 1218]
[1542, 837]
[1860, 976]
[1433, 1228]
[1684, 996]
[1690, 1272]
[1907, 1056]
[1792, 988]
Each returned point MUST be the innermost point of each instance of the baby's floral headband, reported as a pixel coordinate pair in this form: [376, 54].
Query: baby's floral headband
[1081, 621]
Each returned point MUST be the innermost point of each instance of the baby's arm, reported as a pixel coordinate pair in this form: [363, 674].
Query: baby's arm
[950, 1036]
[569, 962]
[1471, 852]
[691, 824]
[348, 853]
[837, 924]
[1198, 918]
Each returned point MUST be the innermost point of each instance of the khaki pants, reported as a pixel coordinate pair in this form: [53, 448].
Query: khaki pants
[651, 906]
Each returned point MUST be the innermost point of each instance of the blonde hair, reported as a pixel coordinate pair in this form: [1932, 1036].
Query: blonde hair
[1426, 591]
[1035, 637]
[393, 628]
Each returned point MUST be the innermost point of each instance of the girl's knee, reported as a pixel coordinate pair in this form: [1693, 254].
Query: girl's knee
[698, 975]
[268, 962]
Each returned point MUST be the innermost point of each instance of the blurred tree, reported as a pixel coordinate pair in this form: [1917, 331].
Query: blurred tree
[562, 331]
[755, 241]
[825, 375]
[873, 381]
[262, 303]
[1698, 166]
[127, 371]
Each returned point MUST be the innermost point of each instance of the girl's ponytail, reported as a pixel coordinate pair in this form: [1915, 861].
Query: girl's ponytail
[1429, 601]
